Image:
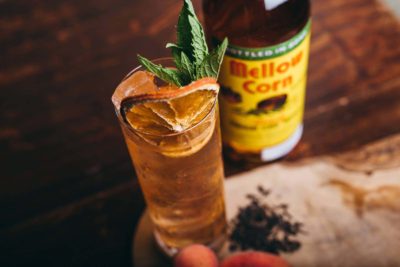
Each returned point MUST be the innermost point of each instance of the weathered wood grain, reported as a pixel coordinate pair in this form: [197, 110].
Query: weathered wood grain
[61, 150]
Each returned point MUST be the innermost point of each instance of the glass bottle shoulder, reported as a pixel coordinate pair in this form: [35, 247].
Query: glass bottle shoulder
[255, 23]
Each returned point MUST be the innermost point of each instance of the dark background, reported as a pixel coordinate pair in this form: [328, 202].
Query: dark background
[68, 196]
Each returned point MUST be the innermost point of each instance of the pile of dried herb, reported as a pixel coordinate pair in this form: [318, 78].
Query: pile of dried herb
[264, 227]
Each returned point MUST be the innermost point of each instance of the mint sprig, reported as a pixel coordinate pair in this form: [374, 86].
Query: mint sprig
[190, 53]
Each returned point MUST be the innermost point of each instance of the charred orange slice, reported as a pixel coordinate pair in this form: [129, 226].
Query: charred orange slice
[169, 109]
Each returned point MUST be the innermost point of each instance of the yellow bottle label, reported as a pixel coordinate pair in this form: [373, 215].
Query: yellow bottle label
[262, 92]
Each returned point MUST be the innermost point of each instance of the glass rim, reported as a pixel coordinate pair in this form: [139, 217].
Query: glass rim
[172, 134]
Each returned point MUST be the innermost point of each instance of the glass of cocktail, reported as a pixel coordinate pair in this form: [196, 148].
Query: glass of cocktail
[173, 138]
[169, 117]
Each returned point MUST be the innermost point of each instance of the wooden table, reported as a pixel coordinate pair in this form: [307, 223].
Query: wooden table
[68, 196]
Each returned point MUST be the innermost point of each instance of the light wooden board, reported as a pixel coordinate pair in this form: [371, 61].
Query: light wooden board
[349, 204]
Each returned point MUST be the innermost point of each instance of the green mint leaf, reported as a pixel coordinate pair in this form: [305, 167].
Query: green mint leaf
[189, 7]
[187, 66]
[183, 29]
[168, 75]
[190, 34]
[181, 63]
[212, 63]
[199, 45]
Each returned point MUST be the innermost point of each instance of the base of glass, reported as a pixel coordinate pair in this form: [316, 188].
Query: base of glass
[170, 252]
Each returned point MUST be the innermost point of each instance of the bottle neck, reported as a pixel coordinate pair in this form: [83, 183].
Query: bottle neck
[271, 4]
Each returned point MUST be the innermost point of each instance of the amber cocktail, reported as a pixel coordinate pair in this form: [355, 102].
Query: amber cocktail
[174, 141]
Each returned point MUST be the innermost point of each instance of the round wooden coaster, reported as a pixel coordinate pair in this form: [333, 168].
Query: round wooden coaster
[145, 250]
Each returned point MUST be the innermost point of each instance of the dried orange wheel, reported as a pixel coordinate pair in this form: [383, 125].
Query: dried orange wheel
[170, 109]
